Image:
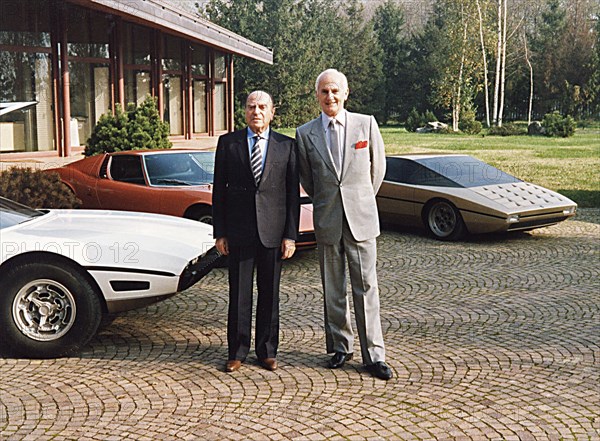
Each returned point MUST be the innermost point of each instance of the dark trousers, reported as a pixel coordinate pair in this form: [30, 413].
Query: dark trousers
[242, 261]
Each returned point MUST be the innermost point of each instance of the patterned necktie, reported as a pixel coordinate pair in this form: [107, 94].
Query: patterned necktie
[334, 145]
[256, 159]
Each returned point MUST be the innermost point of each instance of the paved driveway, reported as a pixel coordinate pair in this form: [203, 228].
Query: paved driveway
[494, 339]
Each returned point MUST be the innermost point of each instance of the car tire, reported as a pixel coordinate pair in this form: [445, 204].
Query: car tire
[443, 220]
[47, 310]
[201, 214]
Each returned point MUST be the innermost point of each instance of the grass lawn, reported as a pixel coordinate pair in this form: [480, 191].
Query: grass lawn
[570, 166]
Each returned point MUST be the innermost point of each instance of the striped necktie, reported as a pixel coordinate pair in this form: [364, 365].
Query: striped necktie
[256, 159]
[334, 145]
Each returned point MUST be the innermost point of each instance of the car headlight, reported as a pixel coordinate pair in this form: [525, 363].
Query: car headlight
[513, 219]
[569, 210]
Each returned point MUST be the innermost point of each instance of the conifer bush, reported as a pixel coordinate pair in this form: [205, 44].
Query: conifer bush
[36, 188]
[557, 125]
[110, 134]
[509, 129]
[468, 124]
[139, 128]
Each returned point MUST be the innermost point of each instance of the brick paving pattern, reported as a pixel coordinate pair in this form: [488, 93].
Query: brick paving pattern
[495, 338]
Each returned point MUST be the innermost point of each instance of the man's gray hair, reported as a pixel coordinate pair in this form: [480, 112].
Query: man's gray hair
[332, 72]
[259, 92]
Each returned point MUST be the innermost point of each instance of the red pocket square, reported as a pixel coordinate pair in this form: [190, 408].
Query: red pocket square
[361, 144]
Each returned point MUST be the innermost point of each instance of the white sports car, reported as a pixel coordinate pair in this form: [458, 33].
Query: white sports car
[61, 270]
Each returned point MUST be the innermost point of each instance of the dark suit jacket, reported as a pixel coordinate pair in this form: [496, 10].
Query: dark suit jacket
[243, 212]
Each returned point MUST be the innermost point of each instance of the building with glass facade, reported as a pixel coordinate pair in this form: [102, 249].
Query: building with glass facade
[63, 63]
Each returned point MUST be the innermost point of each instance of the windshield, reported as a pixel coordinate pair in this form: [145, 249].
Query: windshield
[13, 213]
[186, 168]
[467, 171]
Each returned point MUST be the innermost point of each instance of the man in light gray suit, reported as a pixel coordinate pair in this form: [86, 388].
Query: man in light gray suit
[342, 164]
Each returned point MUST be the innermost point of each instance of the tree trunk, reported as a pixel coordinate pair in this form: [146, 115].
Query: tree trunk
[485, 68]
[503, 74]
[530, 79]
[458, 99]
[498, 62]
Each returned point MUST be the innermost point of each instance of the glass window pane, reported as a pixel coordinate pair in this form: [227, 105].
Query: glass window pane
[200, 107]
[90, 98]
[25, 23]
[199, 60]
[137, 86]
[26, 95]
[88, 33]
[136, 44]
[172, 103]
[126, 168]
[171, 53]
[220, 106]
[220, 66]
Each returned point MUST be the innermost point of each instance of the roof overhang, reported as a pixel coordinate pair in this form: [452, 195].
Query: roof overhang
[163, 15]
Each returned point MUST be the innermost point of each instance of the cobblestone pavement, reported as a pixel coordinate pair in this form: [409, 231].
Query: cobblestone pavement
[491, 339]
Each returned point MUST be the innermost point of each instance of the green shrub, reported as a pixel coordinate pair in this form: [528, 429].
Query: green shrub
[508, 129]
[145, 129]
[109, 135]
[468, 124]
[138, 128]
[429, 116]
[556, 125]
[416, 120]
[36, 188]
[413, 121]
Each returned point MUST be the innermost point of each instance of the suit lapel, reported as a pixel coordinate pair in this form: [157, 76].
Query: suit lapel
[352, 133]
[317, 137]
[241, 149]
[272, 153]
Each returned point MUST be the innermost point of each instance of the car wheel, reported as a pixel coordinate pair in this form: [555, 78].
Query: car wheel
[202, 214]
[443, 220]
[47, 310]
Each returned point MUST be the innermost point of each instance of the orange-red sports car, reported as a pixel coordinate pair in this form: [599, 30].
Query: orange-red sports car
[174, 182]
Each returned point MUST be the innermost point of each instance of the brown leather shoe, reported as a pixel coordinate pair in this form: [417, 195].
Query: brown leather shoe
[269, 364]
[233, 365]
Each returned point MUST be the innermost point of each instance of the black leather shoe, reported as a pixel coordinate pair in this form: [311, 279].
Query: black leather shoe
[338, 360]
[380, 370]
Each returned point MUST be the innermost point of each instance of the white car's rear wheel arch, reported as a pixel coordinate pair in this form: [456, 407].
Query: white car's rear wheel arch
[200, 213]
[47, 310]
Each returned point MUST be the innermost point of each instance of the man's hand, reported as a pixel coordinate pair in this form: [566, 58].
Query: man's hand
[288, 247]
[222, 246]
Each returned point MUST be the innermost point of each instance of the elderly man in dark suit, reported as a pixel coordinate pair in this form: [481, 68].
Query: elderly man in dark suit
[342, 164]
[256, 210]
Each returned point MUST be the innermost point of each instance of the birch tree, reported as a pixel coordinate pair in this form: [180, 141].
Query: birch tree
[457, 57]
[482, 41]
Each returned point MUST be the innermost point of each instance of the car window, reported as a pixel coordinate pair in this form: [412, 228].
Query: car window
[407, 171]
[12, 213]
[466, 171]
[127, 168]
[180, 168]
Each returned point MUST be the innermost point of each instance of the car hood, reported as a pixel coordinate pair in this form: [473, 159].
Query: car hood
[113, 239]
[523, 196]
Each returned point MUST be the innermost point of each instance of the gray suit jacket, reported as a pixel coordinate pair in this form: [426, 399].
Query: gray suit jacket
[353, 193]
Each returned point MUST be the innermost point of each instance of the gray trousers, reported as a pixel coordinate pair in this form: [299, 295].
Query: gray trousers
[361, 257]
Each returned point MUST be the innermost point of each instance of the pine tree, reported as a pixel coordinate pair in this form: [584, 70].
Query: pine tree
[145, 129]
[109, 134]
